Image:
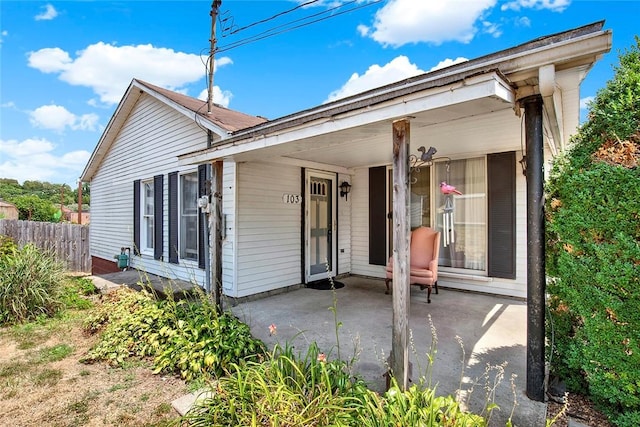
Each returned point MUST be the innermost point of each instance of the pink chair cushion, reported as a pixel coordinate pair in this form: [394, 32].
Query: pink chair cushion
[425, 246]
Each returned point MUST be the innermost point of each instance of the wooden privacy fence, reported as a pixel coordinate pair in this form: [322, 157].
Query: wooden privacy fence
[68, 242]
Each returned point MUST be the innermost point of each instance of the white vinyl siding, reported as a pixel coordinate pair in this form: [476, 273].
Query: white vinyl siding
[230, 235]
[148, 144]
[268, 245]
[344, 228]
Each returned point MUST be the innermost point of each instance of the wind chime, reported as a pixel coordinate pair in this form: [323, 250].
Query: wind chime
[448, 232]
[426, 159]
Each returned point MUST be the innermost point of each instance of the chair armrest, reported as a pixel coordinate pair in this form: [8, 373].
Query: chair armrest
[433, 266]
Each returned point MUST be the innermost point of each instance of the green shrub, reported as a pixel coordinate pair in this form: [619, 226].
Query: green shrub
[286, 389]
[7, 245]
[30, 284]
[75, 291]
[190, 338]
[308, 390]
[593, 249]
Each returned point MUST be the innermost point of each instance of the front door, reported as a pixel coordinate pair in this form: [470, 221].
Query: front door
[320, 226]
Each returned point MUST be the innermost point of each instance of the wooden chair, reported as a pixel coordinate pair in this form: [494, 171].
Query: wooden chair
[424, 249]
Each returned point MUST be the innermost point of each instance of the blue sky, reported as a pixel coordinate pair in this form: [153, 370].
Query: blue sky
[65, 65]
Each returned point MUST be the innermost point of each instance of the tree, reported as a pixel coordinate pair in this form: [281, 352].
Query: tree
[593, 249]
[33, 208]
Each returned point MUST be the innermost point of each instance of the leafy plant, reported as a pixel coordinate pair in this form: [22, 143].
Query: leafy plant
[593, 249]
[30, 284]
[75, 292]
[7, 245]
[187, 337]
[285, 389]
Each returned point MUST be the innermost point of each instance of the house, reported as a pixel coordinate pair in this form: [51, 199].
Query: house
[70, 216]
[8, 210]
[286, 220]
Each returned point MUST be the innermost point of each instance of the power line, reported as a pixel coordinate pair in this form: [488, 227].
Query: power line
[271, 32]
[273, 17]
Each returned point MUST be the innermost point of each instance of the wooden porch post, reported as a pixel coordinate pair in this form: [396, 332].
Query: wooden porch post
[216, 234]
[399, 362]
[535, 248]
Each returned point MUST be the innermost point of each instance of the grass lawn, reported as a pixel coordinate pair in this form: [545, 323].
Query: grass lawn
[42, 382]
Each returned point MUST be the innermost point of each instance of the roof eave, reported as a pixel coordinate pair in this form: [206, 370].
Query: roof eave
[593, 43]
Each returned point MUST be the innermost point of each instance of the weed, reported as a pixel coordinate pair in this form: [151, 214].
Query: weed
[162, 409]
[117, 387]
[13, 369]
[54, 353]
[79, 406]
[48, 377]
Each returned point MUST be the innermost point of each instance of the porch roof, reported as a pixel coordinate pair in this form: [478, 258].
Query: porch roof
[488, 84]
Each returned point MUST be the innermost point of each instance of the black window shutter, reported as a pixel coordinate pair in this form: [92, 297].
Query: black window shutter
[158, 209]
[173, 217]
[378, 215]
[501, 184]
[202, 190]
[136, 217]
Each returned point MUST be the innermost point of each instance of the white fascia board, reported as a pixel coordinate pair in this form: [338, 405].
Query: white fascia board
[490, 85]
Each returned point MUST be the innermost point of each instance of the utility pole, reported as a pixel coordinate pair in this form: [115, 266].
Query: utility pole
[214, 216]
[215, 5]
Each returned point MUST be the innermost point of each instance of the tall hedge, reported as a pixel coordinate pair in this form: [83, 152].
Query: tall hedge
[593, 250]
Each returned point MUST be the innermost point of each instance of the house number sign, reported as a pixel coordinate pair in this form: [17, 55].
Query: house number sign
[292, 199]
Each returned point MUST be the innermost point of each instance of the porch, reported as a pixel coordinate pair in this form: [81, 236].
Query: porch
[492, 330]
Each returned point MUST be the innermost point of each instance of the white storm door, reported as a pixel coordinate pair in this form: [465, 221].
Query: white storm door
[320, 226]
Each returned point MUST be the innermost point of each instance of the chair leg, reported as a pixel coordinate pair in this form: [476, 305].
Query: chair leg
[428, 294]
[436, 284]
[386, 282]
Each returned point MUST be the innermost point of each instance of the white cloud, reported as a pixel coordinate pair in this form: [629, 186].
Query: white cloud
[33, 159]
[554, 5]
[108, 69]
[399, 68]
[409, 21]
[584, 102]
[3, 34]
[58, 118]
[47, 14]
[219, 96]
[491, 28]
[50, 60]
[448, 62]
[523, 22]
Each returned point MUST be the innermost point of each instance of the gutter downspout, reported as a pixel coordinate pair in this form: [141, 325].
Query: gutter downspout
[552, 102]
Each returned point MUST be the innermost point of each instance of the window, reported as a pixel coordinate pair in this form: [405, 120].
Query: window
[189, 216]
[147, 215]
[466, 244]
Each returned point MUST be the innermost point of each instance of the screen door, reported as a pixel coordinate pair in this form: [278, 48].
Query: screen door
[320, 220]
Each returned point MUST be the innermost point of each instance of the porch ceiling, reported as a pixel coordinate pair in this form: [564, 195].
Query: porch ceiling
[362, 136]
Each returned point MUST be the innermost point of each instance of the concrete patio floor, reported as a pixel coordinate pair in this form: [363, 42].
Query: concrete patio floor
[491, 330]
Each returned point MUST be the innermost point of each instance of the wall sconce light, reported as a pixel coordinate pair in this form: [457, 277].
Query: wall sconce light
[345, 188]
[523, 163]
